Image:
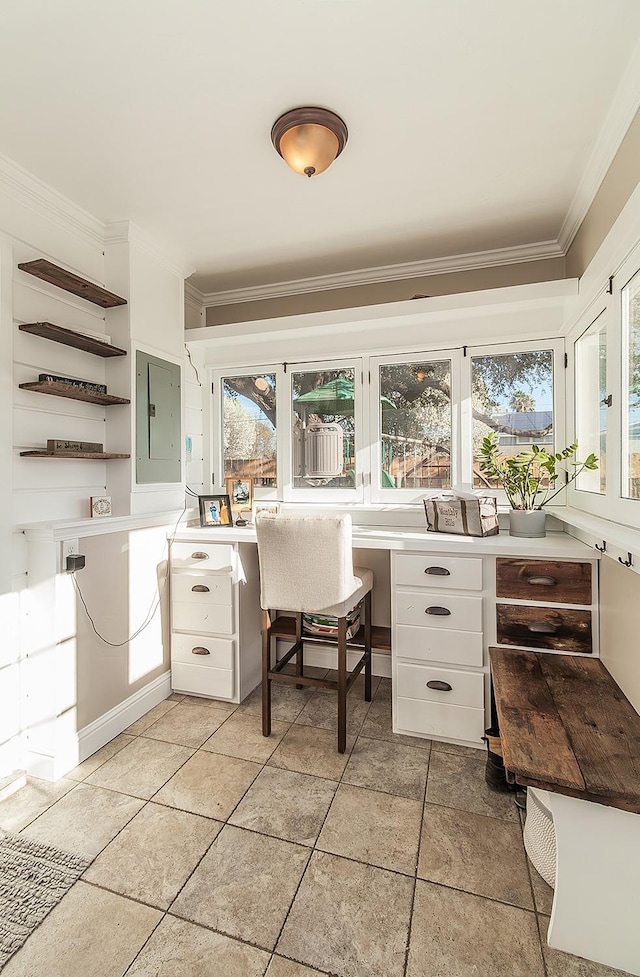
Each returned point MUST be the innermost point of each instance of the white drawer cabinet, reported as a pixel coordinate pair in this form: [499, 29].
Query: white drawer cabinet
[215, 617]
[438, 572]
[438, 645]
[443, 611]
[448, 686]
[439, 721]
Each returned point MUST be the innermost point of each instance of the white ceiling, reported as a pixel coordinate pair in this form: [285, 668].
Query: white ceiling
[471, 122]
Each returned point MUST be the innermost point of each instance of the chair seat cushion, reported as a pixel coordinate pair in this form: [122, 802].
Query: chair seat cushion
[364, 581]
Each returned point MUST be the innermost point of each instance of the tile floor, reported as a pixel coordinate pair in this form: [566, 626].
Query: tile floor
[219, 853]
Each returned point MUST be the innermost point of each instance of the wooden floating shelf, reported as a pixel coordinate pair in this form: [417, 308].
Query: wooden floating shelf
[68, 337]
[55, 275]
[96, 455]
[285, 628]
[72, 393]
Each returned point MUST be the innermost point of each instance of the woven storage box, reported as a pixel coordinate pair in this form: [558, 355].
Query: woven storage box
[540, 835]
[464, 517]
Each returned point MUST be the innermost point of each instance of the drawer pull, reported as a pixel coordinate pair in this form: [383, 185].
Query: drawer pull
[542, 581]
[541, 627]
[438, 571]
[439, 686]
[199, 650]
[199, 555]
[200, 588]
[438, 611]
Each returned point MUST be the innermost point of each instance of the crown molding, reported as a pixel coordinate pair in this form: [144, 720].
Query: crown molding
[193, 297]
[622, 110]
[126, 232]
[43, 200]
[387, 273]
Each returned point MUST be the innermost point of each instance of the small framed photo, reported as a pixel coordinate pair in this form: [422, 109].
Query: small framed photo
[215, 510]
[272, 507]
[240, 491]
[100, 506]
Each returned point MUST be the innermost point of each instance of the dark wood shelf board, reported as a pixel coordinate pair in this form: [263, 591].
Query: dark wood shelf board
[68, 337]
[55, 275]
[94, 455]
[285, 628]
[72, 393]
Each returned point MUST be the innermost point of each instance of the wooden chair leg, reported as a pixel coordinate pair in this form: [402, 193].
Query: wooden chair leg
[342, 684]
[367, 647]
[266, 681]
[300, 652]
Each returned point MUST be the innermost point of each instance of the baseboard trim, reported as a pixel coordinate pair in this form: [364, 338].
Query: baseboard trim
[325, 656]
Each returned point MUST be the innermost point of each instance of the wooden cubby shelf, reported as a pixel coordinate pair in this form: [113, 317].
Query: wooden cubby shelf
[68, 337]
[55, 275]
[95, 455]
[285, 628]
[56, 389]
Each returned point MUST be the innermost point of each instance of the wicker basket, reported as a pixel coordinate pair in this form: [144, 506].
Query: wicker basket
[540, 834]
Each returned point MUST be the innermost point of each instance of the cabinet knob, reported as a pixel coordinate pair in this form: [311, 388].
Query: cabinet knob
[542, 581]
[199, 650]
[199, 555]
[200, 588]
[439, 686]
[438, 611]
[438, 571]
[541, 627]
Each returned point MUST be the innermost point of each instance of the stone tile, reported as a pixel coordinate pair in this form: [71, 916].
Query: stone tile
[308, 749]
[380, 829]
[322, 711]
[384, 691]
[287, 702]
[149, 718]
[90, 933]
[475, 853]
[281, 967]
[458, 750]
[241, 736]
[389, 767]
[84, 821]
[187, 724]
[141, 768]
[175, 697]
[312, 671]
[378, 726]
[228, 708]
[180, 949]
[542, 892]
[154, 854]
[455, 934]
[99, 757]
[286, 805]
[244, 886]
[456, 781]
[28, 803]
[209, 784]
[349, 919]
[561, 964]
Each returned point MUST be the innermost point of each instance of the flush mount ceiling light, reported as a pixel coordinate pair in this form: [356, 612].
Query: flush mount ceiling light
[309, 139]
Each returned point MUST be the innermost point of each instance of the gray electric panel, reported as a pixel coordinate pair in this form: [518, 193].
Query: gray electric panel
[158, 409]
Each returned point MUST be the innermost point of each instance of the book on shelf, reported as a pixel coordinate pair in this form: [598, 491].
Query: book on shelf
[86, 447]
[96, 388]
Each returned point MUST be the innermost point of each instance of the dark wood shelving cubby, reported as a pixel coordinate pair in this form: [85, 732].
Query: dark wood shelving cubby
[95, 455]
[55, 275]
[68, 337]
[56, 389]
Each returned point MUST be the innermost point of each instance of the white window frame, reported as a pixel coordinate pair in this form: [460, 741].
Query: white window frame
[586, 499]
[411, 495]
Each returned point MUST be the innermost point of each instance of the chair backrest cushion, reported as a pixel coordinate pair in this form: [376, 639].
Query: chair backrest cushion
[306, 563]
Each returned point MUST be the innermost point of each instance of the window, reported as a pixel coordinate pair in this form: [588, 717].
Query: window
[631, 389]
[512, 395]
[249, 428]
[591, 403]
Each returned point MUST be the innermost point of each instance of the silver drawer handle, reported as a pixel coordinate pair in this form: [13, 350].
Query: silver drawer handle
[541, 627]
[200, 588]
[199, 555]
[542, 581]
[438, 571]
[199, 650]
[439, 686]
[438, 611]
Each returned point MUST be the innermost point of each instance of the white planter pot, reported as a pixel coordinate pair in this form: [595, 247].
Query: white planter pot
[527, 522]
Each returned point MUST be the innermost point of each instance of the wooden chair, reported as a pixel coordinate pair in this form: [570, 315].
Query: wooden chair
[306, 566]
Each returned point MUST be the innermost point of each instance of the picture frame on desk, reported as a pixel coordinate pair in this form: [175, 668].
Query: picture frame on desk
[215, 511]
[265, 506]
[240, 491]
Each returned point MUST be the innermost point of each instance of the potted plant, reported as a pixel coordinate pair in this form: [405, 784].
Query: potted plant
[529, 480]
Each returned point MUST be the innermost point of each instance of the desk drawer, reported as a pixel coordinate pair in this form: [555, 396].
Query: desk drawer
[204, 556]
[202, 588]
[438, 572]
[448, 686]
[436, 719]
[551, 581]
[551, 628]
[196, 649]
[445, 611]
[216, 683]
[437, 644]
[206, 618]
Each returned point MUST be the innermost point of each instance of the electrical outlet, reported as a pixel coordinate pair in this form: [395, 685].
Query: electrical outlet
[70, 547]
